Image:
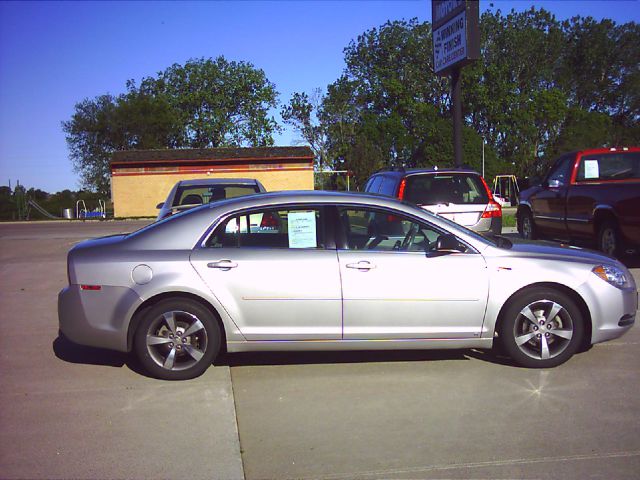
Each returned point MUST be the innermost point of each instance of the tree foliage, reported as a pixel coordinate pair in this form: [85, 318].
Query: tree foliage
[543, 87]
[204, 103]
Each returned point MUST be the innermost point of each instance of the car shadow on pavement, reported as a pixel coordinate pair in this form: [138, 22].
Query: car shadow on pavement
[70, 352]
[242, 359]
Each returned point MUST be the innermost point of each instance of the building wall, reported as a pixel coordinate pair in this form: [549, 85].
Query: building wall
[136, 194]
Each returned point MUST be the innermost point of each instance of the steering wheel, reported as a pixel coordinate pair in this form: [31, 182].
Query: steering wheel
[409, 237]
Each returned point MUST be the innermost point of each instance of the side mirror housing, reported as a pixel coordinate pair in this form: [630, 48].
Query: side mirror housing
[448, 243]
[160, 205]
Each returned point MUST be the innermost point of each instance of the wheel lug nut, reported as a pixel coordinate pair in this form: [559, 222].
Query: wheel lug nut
[538, 335]
[547, 334]
[535, 328]
[171, 344]
[184, 340]
[171, 335]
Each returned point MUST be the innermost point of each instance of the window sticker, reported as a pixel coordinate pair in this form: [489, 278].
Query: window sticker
[591, 169]
[302, 229]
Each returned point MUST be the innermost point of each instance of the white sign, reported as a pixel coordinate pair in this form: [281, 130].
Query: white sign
[302, 229]
[450, 43]
[591, 169]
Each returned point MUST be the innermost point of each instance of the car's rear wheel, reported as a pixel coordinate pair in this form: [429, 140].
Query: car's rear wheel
[541, 328]
[527, 227]
[609, 239]
[177, 339]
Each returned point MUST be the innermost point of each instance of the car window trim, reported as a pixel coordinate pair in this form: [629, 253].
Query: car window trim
[341, 236]
[328, 226]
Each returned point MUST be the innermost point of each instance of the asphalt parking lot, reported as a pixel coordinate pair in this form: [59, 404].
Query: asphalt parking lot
[74, 412]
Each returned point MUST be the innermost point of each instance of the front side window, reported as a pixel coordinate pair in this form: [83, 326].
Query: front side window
[561, 171]
[368, 229]
[609, 166]
[271, 228]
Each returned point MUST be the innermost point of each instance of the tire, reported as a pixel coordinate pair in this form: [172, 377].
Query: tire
[162, 346]
[534, 340]
[609, 238]
[527, 227]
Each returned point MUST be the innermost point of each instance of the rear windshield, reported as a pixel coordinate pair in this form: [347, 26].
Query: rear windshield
[433, 189]
[609, 166]
[199, 194]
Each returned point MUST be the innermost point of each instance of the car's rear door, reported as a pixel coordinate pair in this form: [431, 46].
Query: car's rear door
[275, 271]
[392, 289]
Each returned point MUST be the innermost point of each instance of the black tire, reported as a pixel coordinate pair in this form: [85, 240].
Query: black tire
[541, 328]
[609, 238]
[527, 226]
[162, 346]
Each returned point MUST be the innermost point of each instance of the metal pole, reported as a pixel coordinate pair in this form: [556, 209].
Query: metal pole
[456, 111]
[482, 157]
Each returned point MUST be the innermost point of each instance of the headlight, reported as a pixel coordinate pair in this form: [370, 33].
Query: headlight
[613, 275]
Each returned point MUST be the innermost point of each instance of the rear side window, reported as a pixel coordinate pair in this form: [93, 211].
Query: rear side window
[609, 166]
[433, 189]
[387, 187]
[272, 228]
[373, 185]
[198, 194]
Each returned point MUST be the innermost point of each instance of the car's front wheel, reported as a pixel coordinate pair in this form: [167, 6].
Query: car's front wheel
[527, 227]
[541, 328]
[177, 339]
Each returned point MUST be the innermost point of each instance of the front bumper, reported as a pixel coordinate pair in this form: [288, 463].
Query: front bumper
[97, 318]
[614, 314]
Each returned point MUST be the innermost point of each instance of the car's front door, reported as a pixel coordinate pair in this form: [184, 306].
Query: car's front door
[274, 274]
[549, 204]
[393, 289]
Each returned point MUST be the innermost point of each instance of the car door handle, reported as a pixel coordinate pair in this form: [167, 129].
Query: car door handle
[223, 264]
[361, 265]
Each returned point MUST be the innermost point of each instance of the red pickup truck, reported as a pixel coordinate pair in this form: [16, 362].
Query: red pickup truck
[591, 195]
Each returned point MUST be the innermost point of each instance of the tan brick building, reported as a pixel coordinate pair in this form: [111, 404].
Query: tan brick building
[140, 179]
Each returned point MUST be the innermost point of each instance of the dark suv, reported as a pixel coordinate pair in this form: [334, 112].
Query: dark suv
[457, 194]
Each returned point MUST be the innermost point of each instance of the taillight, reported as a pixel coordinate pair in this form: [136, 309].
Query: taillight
[403, 185]
[90, 287]
[269, 221]
[493, 210]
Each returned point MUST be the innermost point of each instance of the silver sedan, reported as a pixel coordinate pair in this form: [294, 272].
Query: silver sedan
[331, 271]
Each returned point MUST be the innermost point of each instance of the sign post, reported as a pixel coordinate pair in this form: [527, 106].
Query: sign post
[456, 42]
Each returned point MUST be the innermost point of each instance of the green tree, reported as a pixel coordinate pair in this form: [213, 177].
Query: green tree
[218, 102]
[205, 103]
[302, 113]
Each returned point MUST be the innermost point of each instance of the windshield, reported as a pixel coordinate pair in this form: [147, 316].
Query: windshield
[200, 194]
[441, 188]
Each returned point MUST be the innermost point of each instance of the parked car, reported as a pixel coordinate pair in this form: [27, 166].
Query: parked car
[328, 276]
[187, 194]
[590, 195]
[457, 194]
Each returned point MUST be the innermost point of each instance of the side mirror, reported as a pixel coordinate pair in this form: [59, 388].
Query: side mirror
[554, 183]
[448, 243]
[160, 205]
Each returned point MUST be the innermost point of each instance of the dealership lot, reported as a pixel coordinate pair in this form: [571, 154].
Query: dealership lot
[73, 412]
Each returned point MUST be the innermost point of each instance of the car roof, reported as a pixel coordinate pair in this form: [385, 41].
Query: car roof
[218, 181]
[414, 171]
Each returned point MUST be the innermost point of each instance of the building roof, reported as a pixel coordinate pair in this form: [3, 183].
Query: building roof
[193, 155]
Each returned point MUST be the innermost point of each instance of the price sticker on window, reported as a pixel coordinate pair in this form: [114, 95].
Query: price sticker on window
[302, 229]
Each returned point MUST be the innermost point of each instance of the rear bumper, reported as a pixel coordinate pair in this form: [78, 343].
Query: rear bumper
[96, 318]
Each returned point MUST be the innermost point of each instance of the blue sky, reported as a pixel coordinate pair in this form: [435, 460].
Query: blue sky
[54, 54]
